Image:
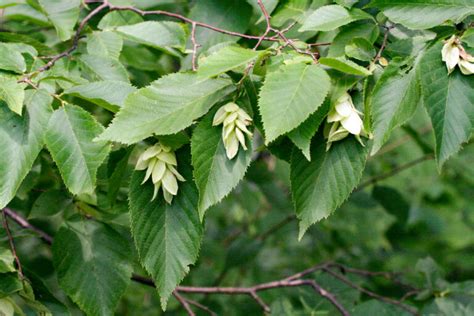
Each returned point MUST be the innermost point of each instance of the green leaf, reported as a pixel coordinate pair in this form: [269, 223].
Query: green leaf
[166, 236]
[394, 101]
[215, 175]
[9, 284]
[369, 31]
[227, 58]
[12, 93]
[360, 49]
[289, 96]
[11, 59]
[21, 139]
[344, 65]
[449, 100]
[303, 134]
[92, 261]
[167, 106]
[6, 261]
[161, 35]
[119, 18]
[102, 68]
[319, 187]
[49, 203]
[232, 15]
[69, 138]
[63, 14]
[107, 44]
[107, 94]
[374, 307]
[424, 14]
[330, 17]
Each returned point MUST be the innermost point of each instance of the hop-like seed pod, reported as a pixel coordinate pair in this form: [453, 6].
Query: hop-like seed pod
[453, 53]
[160, 164]
[235, 122]
[342, 120]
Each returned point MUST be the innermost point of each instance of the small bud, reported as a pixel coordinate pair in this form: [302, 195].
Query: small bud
[235, 122]
[160, 164]
[383, 62]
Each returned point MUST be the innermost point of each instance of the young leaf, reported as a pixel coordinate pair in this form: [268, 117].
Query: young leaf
[12, 93]
[424, 14]
[449, 100]
[92, 261]
[289, 96]
[69, 138]
[11, 59]
[228, 58]
[394, 101]
[167, 106]
[330, 17]
[167, 236]
[215, 174]
[108, 94]
[159, 35]
[344, 65]
[108, 44]
[21, 139]
[360, 49]
[63, 14]
[322, 185]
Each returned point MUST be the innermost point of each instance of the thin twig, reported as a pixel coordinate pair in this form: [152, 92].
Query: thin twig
[195, 46]
[384, 42]
[75, 42]
[199, 305]
[183, 303]
[20, 220]
[394, 171]
[268, 28]
[291, 281]
[388, 300]
[12, 244]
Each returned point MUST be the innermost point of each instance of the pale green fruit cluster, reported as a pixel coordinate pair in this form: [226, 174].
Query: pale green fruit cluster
[342, 120]
[454, 54]
[160, 164]
[235, 122]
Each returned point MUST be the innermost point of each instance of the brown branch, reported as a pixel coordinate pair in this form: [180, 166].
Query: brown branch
[199, 305]
[267, 20]
[388, 300]
[394, 171]
[294, 280]
[12, 244]
[184, 303]
[384, 42]
[195, 46]
[20, 220]
[75, 43]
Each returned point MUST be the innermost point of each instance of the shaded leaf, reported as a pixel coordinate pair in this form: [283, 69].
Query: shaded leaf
[93, 264]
